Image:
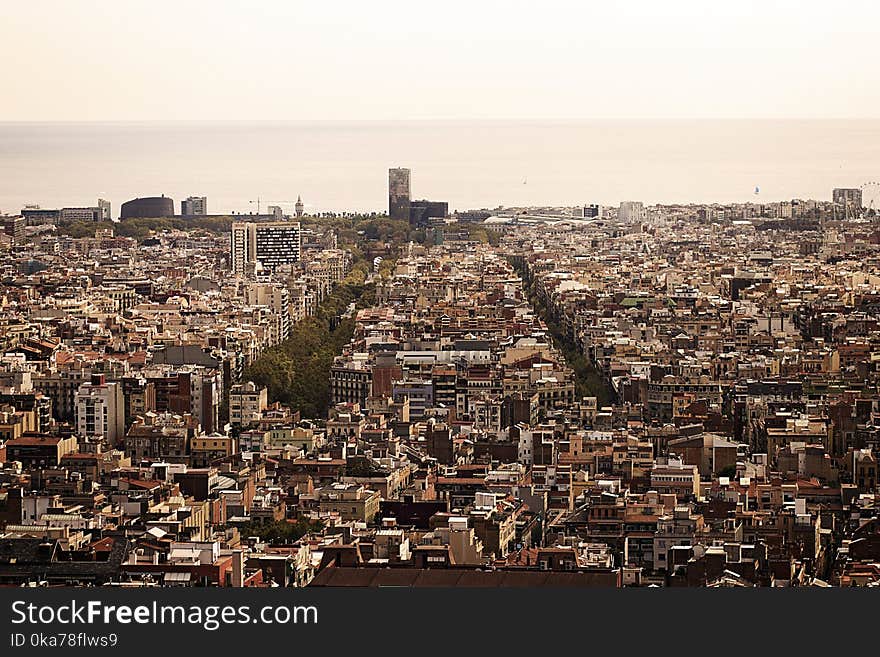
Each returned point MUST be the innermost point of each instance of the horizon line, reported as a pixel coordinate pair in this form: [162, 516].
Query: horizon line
[447, 119]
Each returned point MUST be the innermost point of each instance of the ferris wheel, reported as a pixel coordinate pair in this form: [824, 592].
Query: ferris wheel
[871, 196]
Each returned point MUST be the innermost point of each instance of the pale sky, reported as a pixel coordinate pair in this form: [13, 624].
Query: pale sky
[90, 60]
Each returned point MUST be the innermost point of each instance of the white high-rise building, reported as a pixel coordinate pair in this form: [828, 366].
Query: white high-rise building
[272, 244]
[100, 412]
[194, 206]
[631, 211]
[104, 206]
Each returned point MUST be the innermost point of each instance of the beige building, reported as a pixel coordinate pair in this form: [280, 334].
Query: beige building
[246, 404]
[349, 501]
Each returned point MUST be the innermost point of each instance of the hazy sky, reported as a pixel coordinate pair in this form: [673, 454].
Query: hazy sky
[376, 59]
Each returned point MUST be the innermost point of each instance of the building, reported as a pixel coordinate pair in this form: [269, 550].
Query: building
[205, 397]
[194, 206]
[271, 244]
[34, 215]
[104, 207]
[349, 502]
[399, 194]
[246, 404]
[350, 383]
[587, 212]
[14, 227]
[419, 393]
[631, 212]
[83, 215]
[299, 207]
[848, 197]
[275, 297]
[421, 212]
[35, 450]
[149, 207]
[100, 410]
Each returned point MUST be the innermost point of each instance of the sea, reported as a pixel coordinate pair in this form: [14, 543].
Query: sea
[343, 166]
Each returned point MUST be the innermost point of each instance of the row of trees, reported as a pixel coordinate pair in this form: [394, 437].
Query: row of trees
[142, 228]
[588, 380]
[281, 533]
[297, 371]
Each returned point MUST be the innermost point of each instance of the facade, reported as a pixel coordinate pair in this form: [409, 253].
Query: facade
[205, 399]
[275, 297]
[246, 404]
[14, 227]
[421, 212]
[100, 410]
[84, 215]
[39, 450]
[847, 196]
[631, 212]
[36, 216]
[194, 206]
[349, 502]
[271, 244]
[587, 212]
[104, 207]
[350, 384]
[399, 194]
[147, 208]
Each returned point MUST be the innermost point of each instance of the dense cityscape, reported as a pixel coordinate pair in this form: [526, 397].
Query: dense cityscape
[595, 396]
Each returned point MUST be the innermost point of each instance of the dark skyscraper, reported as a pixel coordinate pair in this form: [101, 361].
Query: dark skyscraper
[398, 194]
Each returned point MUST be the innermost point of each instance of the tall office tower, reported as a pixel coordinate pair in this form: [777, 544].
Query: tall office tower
[631, 211]
[100, 410]
[194, 206]
[398, 194]
[14, 227]
[847, 196]
[276, 212]
[271, 244]
[104, 207]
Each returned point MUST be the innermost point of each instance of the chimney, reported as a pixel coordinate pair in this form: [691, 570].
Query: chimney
[238, 568]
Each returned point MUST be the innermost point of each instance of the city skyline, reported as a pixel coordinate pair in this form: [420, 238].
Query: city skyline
[343, 166]
[351, 295]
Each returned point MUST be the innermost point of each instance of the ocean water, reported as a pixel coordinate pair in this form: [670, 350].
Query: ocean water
[343, 165]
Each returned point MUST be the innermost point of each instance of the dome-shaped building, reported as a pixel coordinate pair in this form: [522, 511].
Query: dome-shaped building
[149, 207]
